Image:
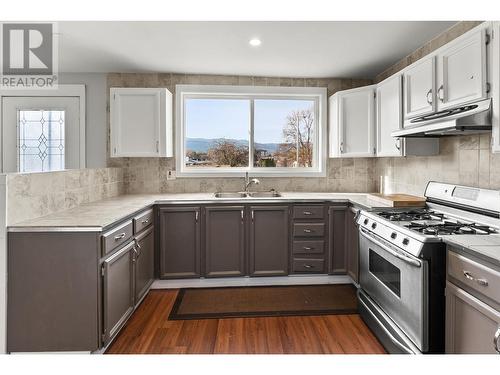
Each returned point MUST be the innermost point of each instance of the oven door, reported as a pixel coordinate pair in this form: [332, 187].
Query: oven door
[398, 283]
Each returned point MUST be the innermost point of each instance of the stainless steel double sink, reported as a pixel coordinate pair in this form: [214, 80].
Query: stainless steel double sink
[250, 194]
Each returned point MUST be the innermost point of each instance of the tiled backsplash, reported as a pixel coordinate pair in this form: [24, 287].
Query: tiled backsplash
[31, 195]
[464, 160]
[148, 175]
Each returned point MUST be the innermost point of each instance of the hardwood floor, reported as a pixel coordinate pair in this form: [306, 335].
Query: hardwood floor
[150, 331]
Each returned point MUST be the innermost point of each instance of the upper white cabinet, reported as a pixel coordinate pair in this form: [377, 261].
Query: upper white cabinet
[461, 71]
[389, 116]
[419, 88]
[141, 122]
[352, 123]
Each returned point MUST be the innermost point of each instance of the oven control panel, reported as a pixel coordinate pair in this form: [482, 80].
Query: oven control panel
[391, 235]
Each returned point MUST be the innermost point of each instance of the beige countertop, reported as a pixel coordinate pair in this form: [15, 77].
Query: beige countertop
[97, 215]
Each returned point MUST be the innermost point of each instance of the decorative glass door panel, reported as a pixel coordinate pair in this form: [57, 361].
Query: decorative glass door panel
[41, 141]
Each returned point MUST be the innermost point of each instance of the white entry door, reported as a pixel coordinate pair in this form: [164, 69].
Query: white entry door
[40, 133]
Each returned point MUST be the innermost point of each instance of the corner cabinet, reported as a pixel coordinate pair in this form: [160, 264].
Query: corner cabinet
[352, 243]
[337, 239]
[352, 123]
[268, 250]
[180, 247]
[141, 122]
[389, 118]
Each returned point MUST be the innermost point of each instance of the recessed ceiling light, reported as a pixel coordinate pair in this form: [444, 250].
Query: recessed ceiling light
[255, 42]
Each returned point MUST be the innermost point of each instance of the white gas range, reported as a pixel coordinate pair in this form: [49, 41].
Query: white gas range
[402, 263]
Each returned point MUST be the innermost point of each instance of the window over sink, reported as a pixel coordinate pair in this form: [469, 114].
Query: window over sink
[266, 131]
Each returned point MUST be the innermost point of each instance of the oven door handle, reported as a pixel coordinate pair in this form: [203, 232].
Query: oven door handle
[402, 257]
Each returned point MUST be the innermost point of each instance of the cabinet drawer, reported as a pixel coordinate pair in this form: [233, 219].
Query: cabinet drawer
[116, 236]
[483, 279]
[308, 265]
[142, 221]
[308, 247]
[308, 229]
[308, 212]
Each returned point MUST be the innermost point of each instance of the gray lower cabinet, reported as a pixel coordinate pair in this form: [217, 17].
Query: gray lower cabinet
[268, 242]
[53, 289]
[180, 253]
[224, 241]
[118, 290]
[337, 239]
[144, 263]
[352, 243]
[472, 326]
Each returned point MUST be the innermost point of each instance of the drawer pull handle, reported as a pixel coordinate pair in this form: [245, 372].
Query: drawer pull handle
[482, 282]
[496, 340]
[145, 221]
[307, 213]
[308, 266]
[308, 248]
[308, 231]
[120, 236]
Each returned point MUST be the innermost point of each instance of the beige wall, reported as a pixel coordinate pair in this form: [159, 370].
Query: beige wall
[453, 32]
[149, 174]
[31, 195]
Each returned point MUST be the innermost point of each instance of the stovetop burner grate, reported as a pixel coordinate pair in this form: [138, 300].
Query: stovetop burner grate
[448, 227]
[417, 214]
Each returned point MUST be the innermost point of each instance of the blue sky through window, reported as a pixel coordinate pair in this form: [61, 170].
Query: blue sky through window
[230, 118]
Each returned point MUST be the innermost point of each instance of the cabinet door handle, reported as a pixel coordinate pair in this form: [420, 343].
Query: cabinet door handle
[397, 142]
[157, 146]
[441, 90]
[341, 147]
[427, 96]
[145, 221]
[307, 213]
[496, 340]
[252, 215]
[307, 248]
[308, 266]
[120, 236]
[196, 216]
[308, 231]
[469, 276]
[242, 216]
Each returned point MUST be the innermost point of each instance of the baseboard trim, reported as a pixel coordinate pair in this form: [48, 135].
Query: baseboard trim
[252, 281]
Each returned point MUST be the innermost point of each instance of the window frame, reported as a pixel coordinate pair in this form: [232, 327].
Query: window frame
[317, 94]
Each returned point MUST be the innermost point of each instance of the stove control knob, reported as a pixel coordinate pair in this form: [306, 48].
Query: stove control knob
[374, 225]
[406, 241]
[393, 235]
[365, 222]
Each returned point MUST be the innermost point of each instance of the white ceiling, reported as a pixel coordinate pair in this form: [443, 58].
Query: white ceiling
[291, 49]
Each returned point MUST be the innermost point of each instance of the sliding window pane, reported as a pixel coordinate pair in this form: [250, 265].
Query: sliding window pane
[217, 133]
[284, 131]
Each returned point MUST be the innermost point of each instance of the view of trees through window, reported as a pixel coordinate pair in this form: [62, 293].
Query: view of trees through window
[218, 133]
